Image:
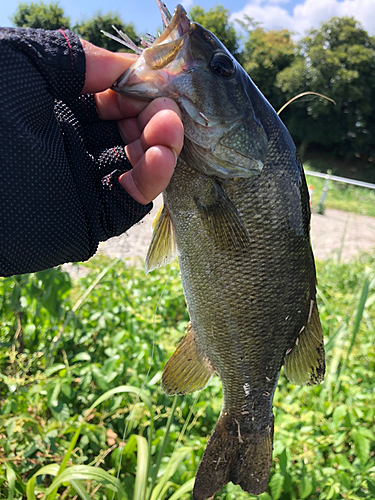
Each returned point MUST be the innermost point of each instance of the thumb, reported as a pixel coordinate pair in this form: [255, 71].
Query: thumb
[103, 67]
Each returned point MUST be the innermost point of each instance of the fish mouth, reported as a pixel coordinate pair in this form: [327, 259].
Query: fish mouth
[175, 26]
[148, 77]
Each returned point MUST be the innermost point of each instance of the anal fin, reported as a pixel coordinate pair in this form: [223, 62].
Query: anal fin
[162, 249]
[305, 364]
[188, 370]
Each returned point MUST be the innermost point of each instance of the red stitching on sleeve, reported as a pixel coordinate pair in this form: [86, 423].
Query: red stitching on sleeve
[70, 50]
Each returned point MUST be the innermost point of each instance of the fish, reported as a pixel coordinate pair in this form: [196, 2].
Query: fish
[236, 213]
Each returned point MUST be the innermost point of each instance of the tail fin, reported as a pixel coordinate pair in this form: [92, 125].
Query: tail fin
[234, 453]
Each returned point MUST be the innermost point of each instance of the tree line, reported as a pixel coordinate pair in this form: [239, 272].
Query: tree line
[337, 60]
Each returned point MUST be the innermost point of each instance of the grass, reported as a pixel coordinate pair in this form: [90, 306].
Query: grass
[61, 431]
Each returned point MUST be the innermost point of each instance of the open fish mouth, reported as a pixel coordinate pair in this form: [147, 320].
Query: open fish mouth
[174, 27]
[190, 65]
[156, 56]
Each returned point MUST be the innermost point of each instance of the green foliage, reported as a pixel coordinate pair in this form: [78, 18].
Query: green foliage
[49, 16]
[216, 20]
[265, 54]
[90, 30]
[338, 60]
[146, 486]
[56, 411]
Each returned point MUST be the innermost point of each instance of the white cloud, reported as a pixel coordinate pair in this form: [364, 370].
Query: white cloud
[308, 14]
[188, 3]
[275, 2]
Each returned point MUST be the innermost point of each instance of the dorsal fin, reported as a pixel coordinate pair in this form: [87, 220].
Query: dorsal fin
[162, 249]
[305, 364]
[188, 370]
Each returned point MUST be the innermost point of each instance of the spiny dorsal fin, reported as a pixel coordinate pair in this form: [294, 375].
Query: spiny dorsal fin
[305, 364]
[162, 249]
[188, 370]
[222, 220]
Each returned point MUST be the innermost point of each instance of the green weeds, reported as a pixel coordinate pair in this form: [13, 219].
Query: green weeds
[67, 349]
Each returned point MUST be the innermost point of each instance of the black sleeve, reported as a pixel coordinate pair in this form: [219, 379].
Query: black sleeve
[59, 164]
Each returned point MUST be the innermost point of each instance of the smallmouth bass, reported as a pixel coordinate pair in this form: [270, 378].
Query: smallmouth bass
[237, 214]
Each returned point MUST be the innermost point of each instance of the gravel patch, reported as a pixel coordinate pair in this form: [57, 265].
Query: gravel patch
[334, 232]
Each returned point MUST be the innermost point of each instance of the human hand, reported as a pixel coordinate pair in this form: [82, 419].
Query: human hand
[65, 181]
[153, 131]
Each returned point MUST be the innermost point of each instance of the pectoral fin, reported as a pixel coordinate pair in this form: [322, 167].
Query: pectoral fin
[305, 364]
[188, 370]
[162, 249]
[222, 220]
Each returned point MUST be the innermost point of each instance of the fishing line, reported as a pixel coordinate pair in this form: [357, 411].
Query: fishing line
[145, 380]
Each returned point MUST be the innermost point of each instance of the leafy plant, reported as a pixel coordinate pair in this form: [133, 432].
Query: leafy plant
[324, 436]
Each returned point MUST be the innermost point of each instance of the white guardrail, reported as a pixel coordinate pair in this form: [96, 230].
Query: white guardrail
[341, 179]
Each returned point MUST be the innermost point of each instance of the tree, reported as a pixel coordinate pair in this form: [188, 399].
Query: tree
[90, 30]
[40, 15]
[265, 54]
[216, 20]
[338, 60]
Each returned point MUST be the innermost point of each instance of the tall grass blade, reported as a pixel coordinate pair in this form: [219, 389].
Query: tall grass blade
[83, 297]
[80, 489]
[339, 252]
[70, 313]
[139, 393]
[370, 300]
[85, 473]
[51, 469]
[143, 460]
[66, 458]
[334, 363]
[174, 462]
[182, 490]
[11, 478]
[166, 487]
[336, 337]
[120, 389]
[161, 452]
[358, 319]
[104, 397]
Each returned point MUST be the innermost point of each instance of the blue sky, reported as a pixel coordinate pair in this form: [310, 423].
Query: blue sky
[295, 15]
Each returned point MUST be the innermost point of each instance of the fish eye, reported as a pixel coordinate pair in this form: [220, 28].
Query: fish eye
[222, 65]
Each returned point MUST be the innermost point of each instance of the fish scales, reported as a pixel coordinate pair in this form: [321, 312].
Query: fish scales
[237, 210]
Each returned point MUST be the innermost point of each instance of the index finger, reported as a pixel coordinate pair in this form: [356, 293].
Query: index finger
[113, 106]
[103, 67]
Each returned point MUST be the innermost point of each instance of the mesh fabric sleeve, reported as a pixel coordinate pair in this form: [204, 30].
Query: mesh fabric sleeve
[59, 164]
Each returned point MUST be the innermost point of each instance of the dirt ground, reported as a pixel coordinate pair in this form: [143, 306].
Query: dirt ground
[330, 232]
[337, 230]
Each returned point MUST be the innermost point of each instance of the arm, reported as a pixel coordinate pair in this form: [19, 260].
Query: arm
[67, 183]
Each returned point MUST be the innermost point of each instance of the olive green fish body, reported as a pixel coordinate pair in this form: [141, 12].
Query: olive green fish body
[246, 305]
[237, 214]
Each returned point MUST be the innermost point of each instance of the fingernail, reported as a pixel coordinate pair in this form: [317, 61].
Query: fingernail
[175, 156]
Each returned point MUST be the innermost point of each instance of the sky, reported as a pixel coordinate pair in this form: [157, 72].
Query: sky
[297, 16]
